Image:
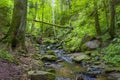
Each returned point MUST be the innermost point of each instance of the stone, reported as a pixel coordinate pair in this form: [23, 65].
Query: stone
[94, 53]
[41, 75]
[49, 57]
[50, 52]
[90, 45]
[81, 57]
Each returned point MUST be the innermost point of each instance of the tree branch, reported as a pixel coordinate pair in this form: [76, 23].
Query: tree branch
[56, 25]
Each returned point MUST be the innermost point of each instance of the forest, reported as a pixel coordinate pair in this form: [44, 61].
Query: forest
[59, 40]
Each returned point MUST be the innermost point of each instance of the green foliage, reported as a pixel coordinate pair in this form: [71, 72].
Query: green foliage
[6, 55]
[113, 53]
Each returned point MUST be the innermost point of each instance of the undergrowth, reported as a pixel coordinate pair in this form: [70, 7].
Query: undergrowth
[112, 52]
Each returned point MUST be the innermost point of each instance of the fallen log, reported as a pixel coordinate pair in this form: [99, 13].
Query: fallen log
[56, 25]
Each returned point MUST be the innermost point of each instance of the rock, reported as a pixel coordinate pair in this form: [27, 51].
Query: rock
[114, 74]
[90, 45]
[49, 57]
[94, 53]
[48, 41]
[41, 75]
[88, 52]
[50, 52]
[109, 69]
[101, 77]
[81, 57]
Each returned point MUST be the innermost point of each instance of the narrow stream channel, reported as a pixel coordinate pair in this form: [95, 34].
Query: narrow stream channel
[66, 69]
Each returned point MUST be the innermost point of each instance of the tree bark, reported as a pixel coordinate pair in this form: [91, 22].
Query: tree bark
[16, 33]
[34, 16]
[97, 24]
[112, 19]
[60, 26]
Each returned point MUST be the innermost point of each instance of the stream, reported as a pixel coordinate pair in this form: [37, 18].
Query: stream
[66, 69]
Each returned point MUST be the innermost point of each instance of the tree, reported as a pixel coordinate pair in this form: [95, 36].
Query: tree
[97, 24]
[34, 16]
[112, 19]
[16, 34]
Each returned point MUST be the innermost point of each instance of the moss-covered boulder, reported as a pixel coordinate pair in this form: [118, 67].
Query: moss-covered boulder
[49, 57]
[90, 45]
[81, 57]
[41, 75]
[50, 52]
[95, 53]
[48, 41]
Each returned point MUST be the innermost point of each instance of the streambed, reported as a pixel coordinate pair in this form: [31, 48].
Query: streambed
[66, 69]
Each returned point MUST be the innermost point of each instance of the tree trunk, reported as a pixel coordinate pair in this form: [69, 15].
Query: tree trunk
[112, 19]
[34, 17]
[16, 33]
[42, 15]
[97, 24]
[106, 13]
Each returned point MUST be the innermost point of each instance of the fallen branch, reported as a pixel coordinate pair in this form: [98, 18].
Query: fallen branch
[56, 25]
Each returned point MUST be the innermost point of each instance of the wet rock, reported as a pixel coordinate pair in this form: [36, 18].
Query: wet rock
[90, 45]
[81, 57]
[41, 75]
[94, 70]
[49, 57]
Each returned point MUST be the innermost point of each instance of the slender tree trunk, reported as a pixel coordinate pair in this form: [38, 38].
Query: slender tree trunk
[16, 33]
[112, 19]
[42, 31]
[34, 17]
[97, 24]
[106, 13]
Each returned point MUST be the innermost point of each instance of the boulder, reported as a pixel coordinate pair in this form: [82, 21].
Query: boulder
[41, 75]
[81, 57]
[90, 45]
[50, 52]
[49, 57]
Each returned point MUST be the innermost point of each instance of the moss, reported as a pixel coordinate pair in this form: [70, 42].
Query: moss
[50, 52]
[41, 75]
[49, 57]
[48, 41]
[6, 55]
[94, 53]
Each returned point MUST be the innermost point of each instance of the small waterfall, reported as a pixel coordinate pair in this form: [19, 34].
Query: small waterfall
[65, 58]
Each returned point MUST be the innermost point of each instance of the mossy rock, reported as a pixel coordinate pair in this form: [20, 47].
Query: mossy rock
[88, 52]
[84, 48]
[90, 45]
[81, 57]
[50, 52]
[41, 75]
[109, 69]
[48, 41]
[49, 57]
[94, 53]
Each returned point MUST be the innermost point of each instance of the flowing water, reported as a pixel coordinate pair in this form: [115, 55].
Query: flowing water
[66, 69]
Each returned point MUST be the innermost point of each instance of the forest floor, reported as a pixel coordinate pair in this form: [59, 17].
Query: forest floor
[32, 61]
